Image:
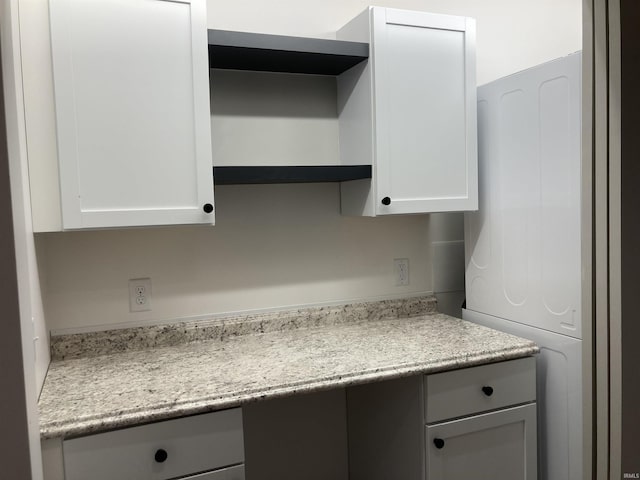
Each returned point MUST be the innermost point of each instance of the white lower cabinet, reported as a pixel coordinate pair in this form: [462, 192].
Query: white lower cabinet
[498, 446]
[477, 422]
[209, 446]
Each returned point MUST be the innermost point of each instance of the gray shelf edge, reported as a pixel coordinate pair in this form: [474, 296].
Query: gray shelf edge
[289, 174]
[261, 41]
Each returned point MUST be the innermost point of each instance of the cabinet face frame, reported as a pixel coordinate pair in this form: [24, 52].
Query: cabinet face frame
[384, 84]
[525, 414]
[74, 214]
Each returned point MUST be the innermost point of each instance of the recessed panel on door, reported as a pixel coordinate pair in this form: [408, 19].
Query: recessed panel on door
[515, 166]
[416, 54]
[560, 203]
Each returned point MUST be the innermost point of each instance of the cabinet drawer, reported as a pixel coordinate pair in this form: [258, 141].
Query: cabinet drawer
[192, 444]
[479, 389]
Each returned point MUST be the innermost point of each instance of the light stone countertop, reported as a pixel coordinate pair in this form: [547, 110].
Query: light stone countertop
[93, 394]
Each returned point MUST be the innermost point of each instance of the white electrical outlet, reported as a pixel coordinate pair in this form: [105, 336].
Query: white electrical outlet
[139, 294]
[401, 270]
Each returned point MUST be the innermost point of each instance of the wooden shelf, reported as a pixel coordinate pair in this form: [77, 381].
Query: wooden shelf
[276, 53]
[296, 174]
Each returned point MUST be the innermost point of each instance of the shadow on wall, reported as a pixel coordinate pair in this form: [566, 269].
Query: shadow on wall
[272, 246]
[447, 233]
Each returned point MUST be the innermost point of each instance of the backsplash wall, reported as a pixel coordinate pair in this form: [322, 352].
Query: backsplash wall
[272, 246]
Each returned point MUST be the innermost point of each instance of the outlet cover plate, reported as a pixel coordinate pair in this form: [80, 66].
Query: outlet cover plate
[401, 271]
[139, 294]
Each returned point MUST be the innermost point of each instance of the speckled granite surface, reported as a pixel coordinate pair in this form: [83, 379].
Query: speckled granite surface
[142, 338]
[88, 395]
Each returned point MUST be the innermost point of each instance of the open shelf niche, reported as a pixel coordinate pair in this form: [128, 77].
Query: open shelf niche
[282, 54]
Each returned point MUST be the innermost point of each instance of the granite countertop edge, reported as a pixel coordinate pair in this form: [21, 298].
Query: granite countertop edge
[205, 405]
[146, 375]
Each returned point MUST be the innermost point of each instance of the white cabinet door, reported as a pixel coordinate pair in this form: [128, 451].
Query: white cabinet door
[422, 93]
[424, 72]
[131, 86]
[497, 446]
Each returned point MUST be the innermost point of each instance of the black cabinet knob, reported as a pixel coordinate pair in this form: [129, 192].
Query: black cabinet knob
[208, 208]
[161, 455]
[386, 201]
[488, 391]
[438, 442]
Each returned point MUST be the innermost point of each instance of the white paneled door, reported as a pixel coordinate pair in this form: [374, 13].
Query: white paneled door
[131, 85]
[424, 70]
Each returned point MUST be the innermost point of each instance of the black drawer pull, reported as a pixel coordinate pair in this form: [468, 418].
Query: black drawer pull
[438, 442]
[161, 455]
[386, 201]
[488, 391]
[208, 208]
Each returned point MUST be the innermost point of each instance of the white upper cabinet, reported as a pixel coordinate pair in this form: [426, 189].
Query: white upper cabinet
[131, 87]
[411, 113]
